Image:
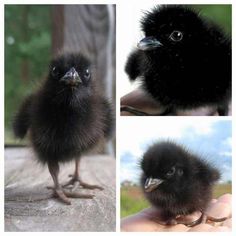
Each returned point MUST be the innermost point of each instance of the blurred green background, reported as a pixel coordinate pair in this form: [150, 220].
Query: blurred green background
[220, 14]
[27, 54]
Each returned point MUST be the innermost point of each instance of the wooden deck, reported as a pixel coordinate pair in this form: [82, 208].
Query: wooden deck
[29, 208]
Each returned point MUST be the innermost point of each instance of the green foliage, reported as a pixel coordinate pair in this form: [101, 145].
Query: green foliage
[131, 201]
[221, 189]
[219, 14]
[27, 53]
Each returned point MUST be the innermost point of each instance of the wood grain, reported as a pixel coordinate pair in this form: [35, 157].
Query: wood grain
[28, 206]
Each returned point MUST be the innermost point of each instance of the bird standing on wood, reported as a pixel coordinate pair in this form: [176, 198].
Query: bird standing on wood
[65, 118]
[176, 181]
[184, 61]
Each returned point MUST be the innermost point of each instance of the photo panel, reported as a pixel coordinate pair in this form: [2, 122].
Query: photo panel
[60, 118]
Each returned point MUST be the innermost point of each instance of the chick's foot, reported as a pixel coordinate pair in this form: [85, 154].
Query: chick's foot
[64, 195]
[75, 182]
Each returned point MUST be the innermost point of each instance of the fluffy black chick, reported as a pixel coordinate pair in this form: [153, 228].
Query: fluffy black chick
[176, 181]
[184, 60]
[65, 118]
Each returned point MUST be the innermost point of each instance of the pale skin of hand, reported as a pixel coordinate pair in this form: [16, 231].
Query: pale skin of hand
[141, 101]
[145, 221]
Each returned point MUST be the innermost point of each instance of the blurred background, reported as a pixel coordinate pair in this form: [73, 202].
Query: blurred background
[210, 138]
[129, 33]
[36, 33]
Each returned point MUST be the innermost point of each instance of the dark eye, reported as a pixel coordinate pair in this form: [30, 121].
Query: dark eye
[180, 172]
[176, 36]
[170, 172]
[55, 71]
[87, 74]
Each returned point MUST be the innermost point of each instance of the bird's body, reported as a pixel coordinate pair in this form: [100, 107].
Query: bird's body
[65, 131]
[66, 117]
[176, 181]
[184, 61]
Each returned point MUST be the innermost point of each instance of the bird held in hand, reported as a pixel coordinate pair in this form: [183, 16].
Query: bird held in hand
[184, 61]
[65, 118]
[176, 181]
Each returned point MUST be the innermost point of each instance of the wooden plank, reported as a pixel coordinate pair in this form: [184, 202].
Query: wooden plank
[28, 208]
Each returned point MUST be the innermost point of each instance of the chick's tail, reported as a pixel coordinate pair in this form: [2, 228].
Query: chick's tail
[21, 120]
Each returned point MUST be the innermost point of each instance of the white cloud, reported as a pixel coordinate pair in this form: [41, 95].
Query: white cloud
[227, 142]
[135, 133]
[225, 153]
[131, 174]
[226, 171]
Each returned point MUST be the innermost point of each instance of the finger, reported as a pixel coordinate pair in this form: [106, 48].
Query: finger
[218, 211]
[201, 228]
[202, 111]
[177, 228]
[226, 198]
[228, 223]
[220, 229]
[139, 223]
[140, 100]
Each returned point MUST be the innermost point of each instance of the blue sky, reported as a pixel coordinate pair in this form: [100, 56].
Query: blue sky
[210, 138]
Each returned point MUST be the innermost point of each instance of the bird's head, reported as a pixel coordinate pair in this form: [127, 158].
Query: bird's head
[171, 29]
[178, 47]
[165, 168]
[72, 71]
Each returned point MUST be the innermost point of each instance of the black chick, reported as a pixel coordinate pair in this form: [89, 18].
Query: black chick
[176, 181]
[184, 61]
[65, 118]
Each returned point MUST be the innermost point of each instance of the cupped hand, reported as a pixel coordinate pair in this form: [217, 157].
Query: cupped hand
[146, 220]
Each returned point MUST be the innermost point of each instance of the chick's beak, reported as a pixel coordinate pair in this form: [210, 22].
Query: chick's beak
[149, 43]
[71, 77]
[151, 184]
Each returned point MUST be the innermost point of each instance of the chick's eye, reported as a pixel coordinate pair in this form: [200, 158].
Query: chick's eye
[180, 172]
[54, 71]
[87, 74]
[176, 36]
[170, 172]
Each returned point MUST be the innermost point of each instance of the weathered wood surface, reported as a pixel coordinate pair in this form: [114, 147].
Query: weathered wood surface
[28, 208]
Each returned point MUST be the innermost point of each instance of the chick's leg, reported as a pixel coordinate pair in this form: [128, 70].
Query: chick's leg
[76, 180]
[58, 190]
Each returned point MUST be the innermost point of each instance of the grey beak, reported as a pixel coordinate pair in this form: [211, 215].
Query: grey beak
[151, 184]
[72, 75]
[149, 43]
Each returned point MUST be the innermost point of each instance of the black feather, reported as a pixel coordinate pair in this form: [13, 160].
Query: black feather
[21, 121]
[65, 118]
[187, 179]
[186, 74]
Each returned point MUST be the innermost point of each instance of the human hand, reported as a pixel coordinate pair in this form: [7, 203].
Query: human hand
[145, 221]
[138, 102]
